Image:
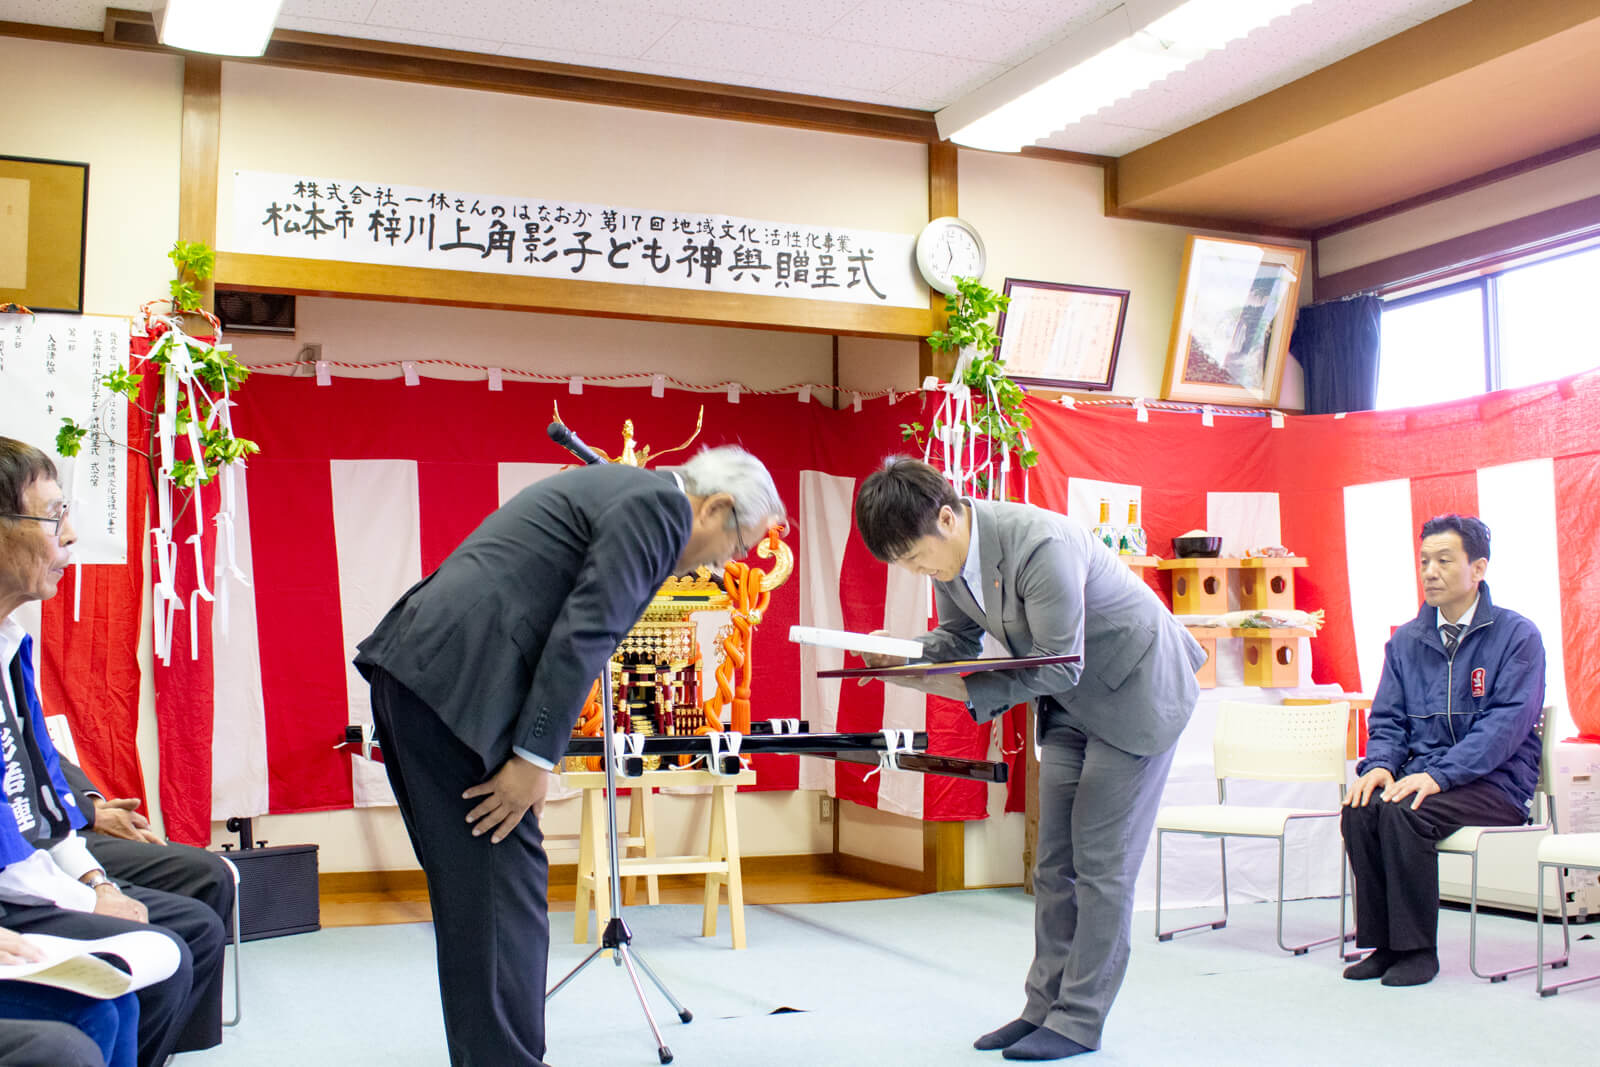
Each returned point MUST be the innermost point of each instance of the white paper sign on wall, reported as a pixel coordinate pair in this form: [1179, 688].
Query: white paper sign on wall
[51, 367]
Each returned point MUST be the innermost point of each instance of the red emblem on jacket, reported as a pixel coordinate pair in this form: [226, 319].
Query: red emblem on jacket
[1478, 682]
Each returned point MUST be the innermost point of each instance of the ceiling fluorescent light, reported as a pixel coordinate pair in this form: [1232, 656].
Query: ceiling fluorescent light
[220, 27]
[1129, 49]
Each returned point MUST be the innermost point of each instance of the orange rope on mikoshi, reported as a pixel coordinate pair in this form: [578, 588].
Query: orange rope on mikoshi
[589, 723]
[743, 584]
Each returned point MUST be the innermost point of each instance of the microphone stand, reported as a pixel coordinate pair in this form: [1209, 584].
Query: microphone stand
[616, 937]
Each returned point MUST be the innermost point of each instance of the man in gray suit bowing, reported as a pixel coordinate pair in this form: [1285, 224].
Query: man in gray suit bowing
[478, 675]
[1038, 583]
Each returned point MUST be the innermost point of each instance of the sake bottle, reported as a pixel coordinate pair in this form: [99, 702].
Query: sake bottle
[1104, 532]
[1133, 541]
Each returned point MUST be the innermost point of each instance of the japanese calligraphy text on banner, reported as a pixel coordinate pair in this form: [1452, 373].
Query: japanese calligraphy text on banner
[51, 367]
[414, 226]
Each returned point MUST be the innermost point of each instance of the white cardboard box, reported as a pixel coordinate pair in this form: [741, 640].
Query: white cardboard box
[1508, 866]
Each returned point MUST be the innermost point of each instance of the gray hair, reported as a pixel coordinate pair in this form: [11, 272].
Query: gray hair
[730, 469]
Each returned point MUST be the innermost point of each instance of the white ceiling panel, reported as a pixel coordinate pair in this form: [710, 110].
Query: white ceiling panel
[799, 16]
[603, 28]
[949, 79]
[781, 55]
[937, 27]
[391, 34]
[337, 10]
[921, 54]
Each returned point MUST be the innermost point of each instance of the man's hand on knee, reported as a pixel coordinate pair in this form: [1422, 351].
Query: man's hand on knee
[507, 796]
[1420, 786]
[1378, 778]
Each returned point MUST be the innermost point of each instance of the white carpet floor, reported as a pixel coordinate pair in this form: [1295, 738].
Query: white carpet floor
[914, 981]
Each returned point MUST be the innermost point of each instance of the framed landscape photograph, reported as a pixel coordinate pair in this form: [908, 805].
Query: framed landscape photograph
[43, 209]
[1230, 333]
[1061, 336]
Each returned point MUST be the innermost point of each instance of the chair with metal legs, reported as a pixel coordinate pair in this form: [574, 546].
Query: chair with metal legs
[1268, 742]
[1562, 852]
[1468, 841]
[238, 1002]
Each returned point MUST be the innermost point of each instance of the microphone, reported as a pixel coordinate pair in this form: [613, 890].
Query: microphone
[563, 436]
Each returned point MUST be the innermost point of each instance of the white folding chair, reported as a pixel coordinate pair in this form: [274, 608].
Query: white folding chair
[1267, 742]
[1468, 841]
[1562, 852]
[238, 1003]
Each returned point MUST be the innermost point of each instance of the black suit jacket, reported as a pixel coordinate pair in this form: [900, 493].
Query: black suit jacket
[505, 638]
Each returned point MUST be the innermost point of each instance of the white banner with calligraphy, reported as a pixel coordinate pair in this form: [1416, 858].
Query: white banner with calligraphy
[414, 226]
[51, 368]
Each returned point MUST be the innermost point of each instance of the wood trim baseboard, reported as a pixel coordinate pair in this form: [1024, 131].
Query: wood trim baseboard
[415, 882]
[885, 874]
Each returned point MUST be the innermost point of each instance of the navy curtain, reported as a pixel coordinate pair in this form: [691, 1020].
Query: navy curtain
[1337, 344]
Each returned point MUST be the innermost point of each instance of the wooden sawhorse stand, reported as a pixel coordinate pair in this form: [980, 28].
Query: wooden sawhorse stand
[719, 864]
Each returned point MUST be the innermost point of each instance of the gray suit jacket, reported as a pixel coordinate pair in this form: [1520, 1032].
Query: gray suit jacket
[1051, 588]
[504, 640]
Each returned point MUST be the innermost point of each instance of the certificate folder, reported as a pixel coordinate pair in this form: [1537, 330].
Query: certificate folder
[956, 666]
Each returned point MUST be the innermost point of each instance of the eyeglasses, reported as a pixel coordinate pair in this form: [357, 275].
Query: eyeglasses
[55, 521]
[738, 533]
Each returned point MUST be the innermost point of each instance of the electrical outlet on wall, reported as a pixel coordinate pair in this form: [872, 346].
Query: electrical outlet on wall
[825, 809]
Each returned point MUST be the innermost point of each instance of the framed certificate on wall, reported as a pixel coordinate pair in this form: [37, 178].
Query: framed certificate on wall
[43, 210]
[1062, 336]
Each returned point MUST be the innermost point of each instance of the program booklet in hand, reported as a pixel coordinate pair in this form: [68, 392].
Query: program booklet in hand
[69, 964]
[871, 644]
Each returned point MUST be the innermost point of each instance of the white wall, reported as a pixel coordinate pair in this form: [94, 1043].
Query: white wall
[518, 145]
[374, 839]
[1564, 182]
[1046, 221]
[120, 111]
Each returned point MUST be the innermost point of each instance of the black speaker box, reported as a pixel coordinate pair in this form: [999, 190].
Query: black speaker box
[242, 311]
[277, 890]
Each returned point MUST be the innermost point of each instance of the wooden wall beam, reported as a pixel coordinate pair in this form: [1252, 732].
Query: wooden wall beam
[943, 199]
[200, 136]
[315, 277]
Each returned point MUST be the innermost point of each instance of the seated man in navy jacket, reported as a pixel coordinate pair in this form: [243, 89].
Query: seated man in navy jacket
[1452, 743]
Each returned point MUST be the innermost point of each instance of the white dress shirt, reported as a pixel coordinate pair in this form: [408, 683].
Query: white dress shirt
[972, 569]
[1465, 622]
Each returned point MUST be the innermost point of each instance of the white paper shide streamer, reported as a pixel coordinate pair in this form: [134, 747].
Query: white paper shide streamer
[182, 388]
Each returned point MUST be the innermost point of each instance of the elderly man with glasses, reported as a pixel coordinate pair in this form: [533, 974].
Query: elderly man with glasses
[49, 881]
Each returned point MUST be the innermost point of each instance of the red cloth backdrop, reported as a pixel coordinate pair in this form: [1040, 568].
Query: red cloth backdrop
[89, 669]
[458, 433]
[1310, 461]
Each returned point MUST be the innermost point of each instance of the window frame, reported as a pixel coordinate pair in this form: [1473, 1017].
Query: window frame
[1487, 282]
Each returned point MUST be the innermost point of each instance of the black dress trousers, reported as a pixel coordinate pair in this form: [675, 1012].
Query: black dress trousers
[1396, 867]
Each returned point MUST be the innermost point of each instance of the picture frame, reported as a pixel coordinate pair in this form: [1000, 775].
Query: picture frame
[44, 206]
[1061, 336]
[1230, 333]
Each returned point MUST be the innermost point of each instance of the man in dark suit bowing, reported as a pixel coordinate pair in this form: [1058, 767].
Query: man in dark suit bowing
[478, 676]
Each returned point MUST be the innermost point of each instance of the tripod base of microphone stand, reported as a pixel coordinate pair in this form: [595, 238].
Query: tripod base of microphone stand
[617, 936]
